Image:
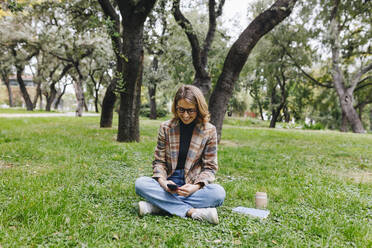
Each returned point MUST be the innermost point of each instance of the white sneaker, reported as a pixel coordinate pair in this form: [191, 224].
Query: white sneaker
[208, 214]
[147, 208]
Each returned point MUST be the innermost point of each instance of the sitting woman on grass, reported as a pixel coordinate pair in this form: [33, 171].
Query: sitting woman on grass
[185, 163]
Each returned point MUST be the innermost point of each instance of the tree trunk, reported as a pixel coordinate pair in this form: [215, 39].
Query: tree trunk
[22, 86]
[51, 97]
[151, 88]
[346, 102]
[37, 95]
[108, 104]
[128, 129]
[238, 55]
[152, 92]
[8, 87]
[58, 100]
[260, 109]
[287, 116]
[203, 82]
[343, 127]
[370, 120]
[96, 101]
[78, 86]
[274, 118]
[134, 15]
[345, 95]
[85, 104]
[255, 95]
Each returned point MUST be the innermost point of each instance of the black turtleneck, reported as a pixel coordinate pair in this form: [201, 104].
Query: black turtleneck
[185, 139]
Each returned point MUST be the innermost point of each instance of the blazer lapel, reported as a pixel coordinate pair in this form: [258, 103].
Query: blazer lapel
[174, 142]
[196, 140]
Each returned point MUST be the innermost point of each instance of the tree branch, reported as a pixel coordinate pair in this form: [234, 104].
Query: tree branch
[362, 86]
[61, 58]
[64, 71]
[356, 78]
[213, 15]
[329, 85]
[110, 12]
[193, 39]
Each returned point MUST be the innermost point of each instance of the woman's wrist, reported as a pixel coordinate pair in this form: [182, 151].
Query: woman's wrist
[200, 185]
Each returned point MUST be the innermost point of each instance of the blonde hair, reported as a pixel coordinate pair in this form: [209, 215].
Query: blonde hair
[192, 95]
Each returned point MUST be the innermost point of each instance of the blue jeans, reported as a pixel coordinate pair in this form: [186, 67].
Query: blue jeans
[211, 195]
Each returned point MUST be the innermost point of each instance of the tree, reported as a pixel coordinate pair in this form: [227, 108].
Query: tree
[18, 36]
[154, 44]
[202, 78]
[53, 76]
[345, 93]
[128, 48]
[73, 52]
[98, 71]
[5, 71]
[238, 55]
[344, 32]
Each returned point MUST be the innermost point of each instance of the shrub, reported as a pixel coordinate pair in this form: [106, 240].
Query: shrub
[316, 126]
[145, 111]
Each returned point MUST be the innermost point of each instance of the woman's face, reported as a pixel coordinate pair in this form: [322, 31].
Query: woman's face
[187, 112]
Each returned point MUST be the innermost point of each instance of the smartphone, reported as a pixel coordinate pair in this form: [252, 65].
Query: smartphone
[172, 187]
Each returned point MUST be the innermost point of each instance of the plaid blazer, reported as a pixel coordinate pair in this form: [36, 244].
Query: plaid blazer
[201, 162]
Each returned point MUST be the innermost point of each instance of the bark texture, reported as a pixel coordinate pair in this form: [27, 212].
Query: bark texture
[79, 94]
[152, 93]
[343, 127]
[134, 16]
[22, 86]
[238, 55]
[5, 79]
[151, 88]
[38, 95]
[108, 104]
[370, 120]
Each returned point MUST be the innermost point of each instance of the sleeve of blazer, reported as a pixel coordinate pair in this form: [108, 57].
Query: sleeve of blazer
[209, 160]
[159, 165]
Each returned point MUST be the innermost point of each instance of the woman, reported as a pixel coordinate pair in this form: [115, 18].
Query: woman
[185, 156]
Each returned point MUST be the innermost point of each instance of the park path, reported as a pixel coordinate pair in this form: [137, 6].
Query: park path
[68, 114]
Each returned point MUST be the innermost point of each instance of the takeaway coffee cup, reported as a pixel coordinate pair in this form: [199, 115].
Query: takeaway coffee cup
[261, 199]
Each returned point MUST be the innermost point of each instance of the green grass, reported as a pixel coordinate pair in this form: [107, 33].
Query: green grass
[245, 121]
[66, 182]
[23, 111]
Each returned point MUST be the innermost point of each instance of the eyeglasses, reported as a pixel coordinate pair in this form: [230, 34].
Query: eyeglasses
[183, 110]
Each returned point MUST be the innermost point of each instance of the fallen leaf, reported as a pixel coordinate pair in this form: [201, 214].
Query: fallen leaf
[274, 242]
[115, 237]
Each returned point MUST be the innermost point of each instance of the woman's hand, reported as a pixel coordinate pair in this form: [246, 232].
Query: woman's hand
[163, 183]
[188, 189]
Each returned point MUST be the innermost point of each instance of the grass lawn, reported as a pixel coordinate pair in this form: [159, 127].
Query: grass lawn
[22, 111]
[65, 182]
